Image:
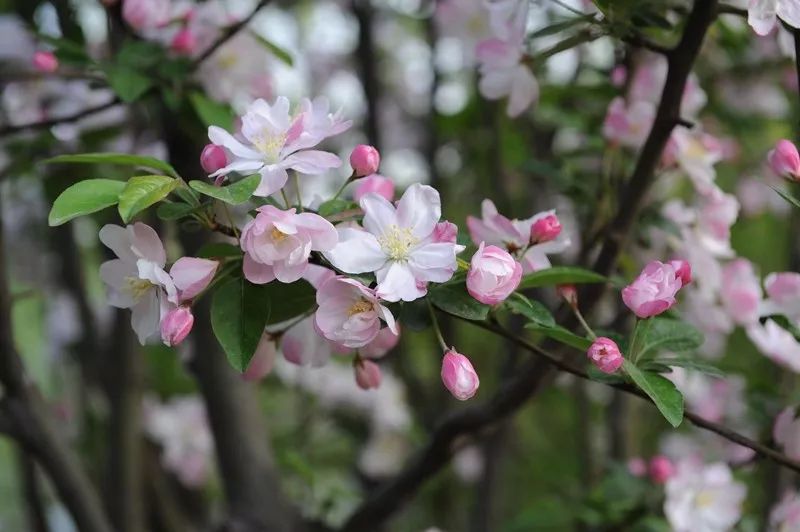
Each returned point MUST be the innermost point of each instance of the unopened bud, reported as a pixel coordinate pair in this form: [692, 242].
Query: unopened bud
[364, 160]
[213, 158]
[458, 375]
[785, 161]
[661, 469]
[368, 374]
[176, 325]
[568, 293]
[45, 62]
[545, 229]
[184, 42]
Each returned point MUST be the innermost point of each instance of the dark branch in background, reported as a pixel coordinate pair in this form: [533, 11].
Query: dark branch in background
[724, 9]
[367, 65]
[229, 32]
[31, 492]
[640, 41]
[46, 124]
[27, 412]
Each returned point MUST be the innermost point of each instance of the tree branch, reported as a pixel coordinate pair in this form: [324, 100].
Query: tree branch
[46, 124]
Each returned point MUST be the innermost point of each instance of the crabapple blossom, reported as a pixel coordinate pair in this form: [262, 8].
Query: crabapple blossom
[192, 275]
[398, 244]
[786, 432]
[545, 229]
[349, 313]
[368, 374]
[176, 325]
[458, 375]
[661, 469]
[515, 235]
[628, 125]
[682, 270]
[184, 43]
[136, 279]
[493, 275]
[146, 14]
[784, 160]
[376, 183]
[785, 516]
[213, 158]
[690, 151]
[653, 292]
[741, 291]
[277, 244]
[783, 291]
[703, 498]
[763, 15]
[364, 160]
[709, 397]
[605, 354]
[45, 62]
[776, 343]
[272, 141]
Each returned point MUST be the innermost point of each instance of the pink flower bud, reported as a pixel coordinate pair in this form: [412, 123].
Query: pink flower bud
[653, 292]
[683, 270]
[545, 229]
[184, 42]
[637, 467]
[213, 158]
[445, 232]
[493, 275]
[368, 374]
[568, 293]
[45, 62]
[364, 160]
[458, 375]
[661, 469]
[605, 354]
[785, 161]
[175, 326]
[382, 186]
[618, 76]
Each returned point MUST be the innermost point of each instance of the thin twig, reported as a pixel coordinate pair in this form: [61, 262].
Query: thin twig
[724, 9]
[640, 41]
[46, 124]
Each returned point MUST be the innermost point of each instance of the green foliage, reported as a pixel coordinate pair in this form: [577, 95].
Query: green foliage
[233, 194]
[668, 335]
[663, 392]
[210, 112]
[274, 49]
[562, 335]
[415, 315]
[143, 191]
[335, 206]
[129, 84]
[116, 158]
[218, 250]
[454, 299]
[175, 211]
[695, 364]
[85, 197]
[788, 197]
[533, 310]
[560, 275]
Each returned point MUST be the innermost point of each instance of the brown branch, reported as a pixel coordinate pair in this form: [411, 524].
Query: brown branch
[46, 124]
[227, 35]
[640, 41]
[31, 492]
[724, 9]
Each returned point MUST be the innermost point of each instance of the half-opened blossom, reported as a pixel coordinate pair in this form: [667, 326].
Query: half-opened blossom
[176, 325]
[785, 516]
[784, 160]
[277, 244]
[783, 290]
[605, 354]
[349, 313]
[741, 291]
[398, 244]
[136, 279]
[628, 124]
[273, 141]
[763, 15]
[776, 343]
[382, 186]
[703, 498]
[458, 375]
[683, 270]
[192, 275]
[493, 275]
[515, 235]
[653, 292]
[786, 432]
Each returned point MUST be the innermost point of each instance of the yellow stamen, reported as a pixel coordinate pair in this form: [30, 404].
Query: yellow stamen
[397, 243]
[277, 235]
[362, 305]
[136, 287]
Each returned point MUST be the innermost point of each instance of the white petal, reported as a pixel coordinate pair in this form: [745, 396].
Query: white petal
[398, 283]
[145, 316]
[356, 252]
[524, 91]
[113, 273]
[312, 162]
[419, 210]
[220, 137]
[255, 272]
[244, 166]
[273, 178]
[379, 213]
[146, 244]
[118, 240]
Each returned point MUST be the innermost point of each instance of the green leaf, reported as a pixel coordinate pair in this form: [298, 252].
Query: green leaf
[274, 49]
[240, 310]
[558, 27]
[210, 112]
[562, 335]
[668, 335]
[788, 197]
[84, 197]
[218, 250]
[234, 194]
[533, 310]
[683, 362]
[115, 158]
[662, 391]
[140, 54]
[175, 211]
[129, 84]
[560, 275]
[415, 315]
[143, 191]
[454, 299]
[67, 52]
[336, 206]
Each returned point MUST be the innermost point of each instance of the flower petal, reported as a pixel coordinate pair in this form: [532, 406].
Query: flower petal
[273, 178]
[220, 137]
[146, 244]
[255, 272]
[118, 240]
[379, 213]
[356, 252]
[398, 283]
[312, 162]
[419, 210]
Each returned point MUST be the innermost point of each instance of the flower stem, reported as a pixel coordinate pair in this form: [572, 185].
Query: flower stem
[436, 328]
[230, 220]
[297, 191]
[583, 323]
[341, 189]
[286, 199]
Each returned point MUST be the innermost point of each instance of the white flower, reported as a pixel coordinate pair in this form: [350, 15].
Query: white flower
[776, 343]
[137, 280]
[762, 15]
[398, 244]
[272, 142]
[785, 516]
[703, 498]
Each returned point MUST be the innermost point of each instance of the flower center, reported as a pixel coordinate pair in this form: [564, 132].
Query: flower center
[704, 499]
[362, 305]
[277, 235]
[396, 243]
[695, 149]
[136, 287]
